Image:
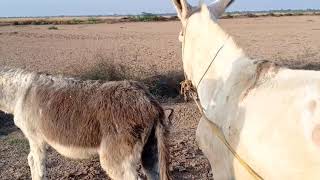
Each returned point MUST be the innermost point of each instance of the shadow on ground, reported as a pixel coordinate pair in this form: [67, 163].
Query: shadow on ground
[306, 66]
[6, 124]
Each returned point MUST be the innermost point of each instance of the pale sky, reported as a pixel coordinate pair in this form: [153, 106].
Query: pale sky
[9, 8]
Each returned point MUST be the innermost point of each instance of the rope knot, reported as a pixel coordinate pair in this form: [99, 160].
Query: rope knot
[188, 90]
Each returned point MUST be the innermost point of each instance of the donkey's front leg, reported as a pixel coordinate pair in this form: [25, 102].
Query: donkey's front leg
[37, 155]
[36, 160]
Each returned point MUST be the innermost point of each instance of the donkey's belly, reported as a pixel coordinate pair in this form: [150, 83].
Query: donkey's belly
[74, 152]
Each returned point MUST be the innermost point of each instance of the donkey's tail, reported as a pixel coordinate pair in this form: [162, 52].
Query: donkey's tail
[155, 154]
[162, 152]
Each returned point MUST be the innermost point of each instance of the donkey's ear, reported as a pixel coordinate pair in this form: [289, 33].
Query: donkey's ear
[218, 7]
[183, 9]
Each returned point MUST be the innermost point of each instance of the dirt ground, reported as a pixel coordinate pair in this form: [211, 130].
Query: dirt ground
[139, 51]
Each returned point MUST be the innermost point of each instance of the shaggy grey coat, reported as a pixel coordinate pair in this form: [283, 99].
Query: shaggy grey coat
[119, 121]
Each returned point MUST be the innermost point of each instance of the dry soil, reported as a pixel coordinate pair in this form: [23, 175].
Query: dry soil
[142, 50]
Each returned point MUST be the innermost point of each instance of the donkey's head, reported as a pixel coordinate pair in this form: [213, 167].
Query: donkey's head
[201, 36]
[185, 10]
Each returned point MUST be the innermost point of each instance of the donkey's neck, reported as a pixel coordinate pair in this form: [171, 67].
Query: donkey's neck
[13, 85]
[229, 66]
[212, 45]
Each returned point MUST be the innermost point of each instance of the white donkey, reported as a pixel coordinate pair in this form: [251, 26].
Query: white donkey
[119, 121]
[269, 114]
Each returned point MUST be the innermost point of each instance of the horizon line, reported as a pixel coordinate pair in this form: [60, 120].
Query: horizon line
[168, 14]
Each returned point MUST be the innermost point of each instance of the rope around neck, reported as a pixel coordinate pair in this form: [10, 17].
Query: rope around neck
[214, 127]
[190, 92]
[219, 134]
[214, 58]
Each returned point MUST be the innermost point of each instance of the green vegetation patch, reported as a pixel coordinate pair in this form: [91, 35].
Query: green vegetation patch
[53, 28]
[48, 21]
[145, 17]
[19, 143]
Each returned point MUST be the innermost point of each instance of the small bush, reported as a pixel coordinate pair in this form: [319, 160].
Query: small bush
[275, 14]
[145, 17]
[173, 18]
[227, 16]
[161, 86]
[93, 20]
[251, 15]
[53, 28]
[107, 72]
[75, 21]
[16, 23]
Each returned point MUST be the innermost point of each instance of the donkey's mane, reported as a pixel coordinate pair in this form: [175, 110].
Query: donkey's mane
[45, 78]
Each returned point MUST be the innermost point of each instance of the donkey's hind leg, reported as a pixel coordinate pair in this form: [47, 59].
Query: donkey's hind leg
[120, 159]
[36, 159]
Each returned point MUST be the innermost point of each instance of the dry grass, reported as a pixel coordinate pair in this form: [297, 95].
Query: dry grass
[83, 20]
[73, 53]
[269, 14]
[57, 21]
[53, 28]
[307, 56]
[143, 17]
[162, 86]
[107, 72]
[21, 143]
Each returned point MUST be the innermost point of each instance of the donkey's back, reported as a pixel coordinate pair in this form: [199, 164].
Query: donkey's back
[80, 113]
